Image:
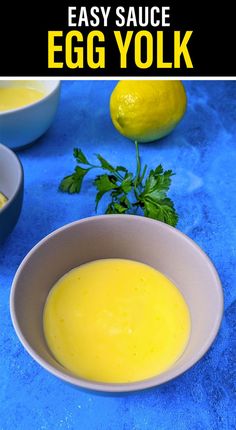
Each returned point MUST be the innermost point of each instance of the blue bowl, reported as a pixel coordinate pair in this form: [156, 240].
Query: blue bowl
[12, 186]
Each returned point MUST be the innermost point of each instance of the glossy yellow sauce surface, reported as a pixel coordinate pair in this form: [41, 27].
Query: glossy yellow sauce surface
[15, 97]
[116, 320]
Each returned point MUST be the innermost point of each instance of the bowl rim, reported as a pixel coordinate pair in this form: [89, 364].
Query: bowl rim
[37, 102]
[164, 377]
[21, 177]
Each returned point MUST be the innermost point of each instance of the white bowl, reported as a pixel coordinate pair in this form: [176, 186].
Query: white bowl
[12, 186]
[117, 236]
[22, 126]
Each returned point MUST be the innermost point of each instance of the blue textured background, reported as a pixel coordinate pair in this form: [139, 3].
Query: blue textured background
[202, 152]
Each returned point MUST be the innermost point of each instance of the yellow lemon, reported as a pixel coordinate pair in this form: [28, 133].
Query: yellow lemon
[147, 110]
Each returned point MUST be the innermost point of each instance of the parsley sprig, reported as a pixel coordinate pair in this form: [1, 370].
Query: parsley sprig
[128, 191]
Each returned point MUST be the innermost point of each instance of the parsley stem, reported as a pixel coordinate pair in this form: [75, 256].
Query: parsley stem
[136, 193]
[137, 177]
[116, 174]
[93, 166]
[143, 174]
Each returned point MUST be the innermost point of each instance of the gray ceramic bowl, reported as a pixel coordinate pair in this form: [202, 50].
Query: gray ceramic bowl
[22, 126]
[11, 185]
[112, 236]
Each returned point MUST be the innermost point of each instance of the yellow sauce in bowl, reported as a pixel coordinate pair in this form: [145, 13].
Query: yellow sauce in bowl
[115, 321]
[13, 97]
[3, 200]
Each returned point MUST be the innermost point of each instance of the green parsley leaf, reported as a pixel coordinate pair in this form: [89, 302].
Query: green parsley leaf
[104, 164]
[115, 208]
[125, 202]
[128, 191]
[157, 184]
[104, 183]
[154, 196]
[72, 183]
[162, 210]
[119, 208]
[80, 157]
[126, 185]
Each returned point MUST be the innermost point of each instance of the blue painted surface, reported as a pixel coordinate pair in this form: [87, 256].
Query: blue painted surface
[202, 152]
